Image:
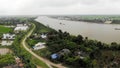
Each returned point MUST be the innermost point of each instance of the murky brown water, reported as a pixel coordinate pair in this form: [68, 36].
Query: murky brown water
[102, 32]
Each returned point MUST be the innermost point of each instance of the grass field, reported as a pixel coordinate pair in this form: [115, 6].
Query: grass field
[4, 29]
[39, 62]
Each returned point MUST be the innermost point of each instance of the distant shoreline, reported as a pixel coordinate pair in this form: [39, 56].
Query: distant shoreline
[114, 19]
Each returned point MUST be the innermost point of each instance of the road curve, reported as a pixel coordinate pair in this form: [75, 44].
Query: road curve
[49, 63]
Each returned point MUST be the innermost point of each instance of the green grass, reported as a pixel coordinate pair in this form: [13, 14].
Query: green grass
[32, 42]
[44, 30]
[40, 28]
[4, 29]
[39, 62]
[43, 52]
[6, 59]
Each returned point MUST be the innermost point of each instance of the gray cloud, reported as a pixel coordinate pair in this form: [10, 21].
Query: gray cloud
[89, 2]
[29, 7]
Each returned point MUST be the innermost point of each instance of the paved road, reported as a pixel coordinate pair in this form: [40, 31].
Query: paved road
[49, 63]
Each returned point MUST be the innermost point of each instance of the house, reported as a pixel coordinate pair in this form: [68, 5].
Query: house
[6, 42]
[44, 36]
[81, 54]
[39, 45]
[54, 56]
[21, 27]
[108, 22]
[8, 36]
[60, 54]
[35, 35]
[64, 52]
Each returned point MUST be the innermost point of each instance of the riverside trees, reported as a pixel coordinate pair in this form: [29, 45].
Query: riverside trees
[92, 49]
[85, 52]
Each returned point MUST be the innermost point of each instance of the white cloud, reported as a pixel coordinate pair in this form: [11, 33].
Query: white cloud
[37, 7]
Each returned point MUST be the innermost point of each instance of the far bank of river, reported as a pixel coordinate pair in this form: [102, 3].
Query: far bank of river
[101, 32]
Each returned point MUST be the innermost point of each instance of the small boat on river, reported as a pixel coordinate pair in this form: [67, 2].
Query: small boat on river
[117, 28]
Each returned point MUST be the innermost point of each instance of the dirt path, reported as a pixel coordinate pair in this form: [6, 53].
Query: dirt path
[49, 63]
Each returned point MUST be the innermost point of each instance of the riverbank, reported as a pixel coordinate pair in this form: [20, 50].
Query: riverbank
[101, 19]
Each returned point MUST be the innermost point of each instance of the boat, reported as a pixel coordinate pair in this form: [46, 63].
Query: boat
[117, 28]
[60, 23]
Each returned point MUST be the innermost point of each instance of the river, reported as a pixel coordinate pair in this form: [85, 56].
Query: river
[101, 32]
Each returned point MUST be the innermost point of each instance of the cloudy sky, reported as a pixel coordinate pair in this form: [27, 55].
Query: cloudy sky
[44, 7]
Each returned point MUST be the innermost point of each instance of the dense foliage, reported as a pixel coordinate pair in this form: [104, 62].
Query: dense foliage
[6, 59]
[93, 50]
[95, 53]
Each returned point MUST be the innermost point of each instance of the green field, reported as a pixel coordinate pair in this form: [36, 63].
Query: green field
[4, 29]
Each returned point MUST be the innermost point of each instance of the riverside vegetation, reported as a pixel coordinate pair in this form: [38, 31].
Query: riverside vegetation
[91, 18]
[95, 53]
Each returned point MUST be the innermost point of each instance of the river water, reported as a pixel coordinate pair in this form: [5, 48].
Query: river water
[101, 32]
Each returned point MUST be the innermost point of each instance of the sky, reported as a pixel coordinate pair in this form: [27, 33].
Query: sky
[59, 7]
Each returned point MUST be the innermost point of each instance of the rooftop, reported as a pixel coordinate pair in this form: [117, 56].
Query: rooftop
[43, 36]
[21, 28]
[8, 36]
[39, 45]
[65, 51]
[54, 56]
[6, 42]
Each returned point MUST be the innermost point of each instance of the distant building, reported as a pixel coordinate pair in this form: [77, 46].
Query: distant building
[43, 36]
[6, 42]
[60, 54]
[64, 52]
[8, 36]
[21, 27]
[108, 22]
[81, 54]
[54, 56]
[39, 45]
[7, 39]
